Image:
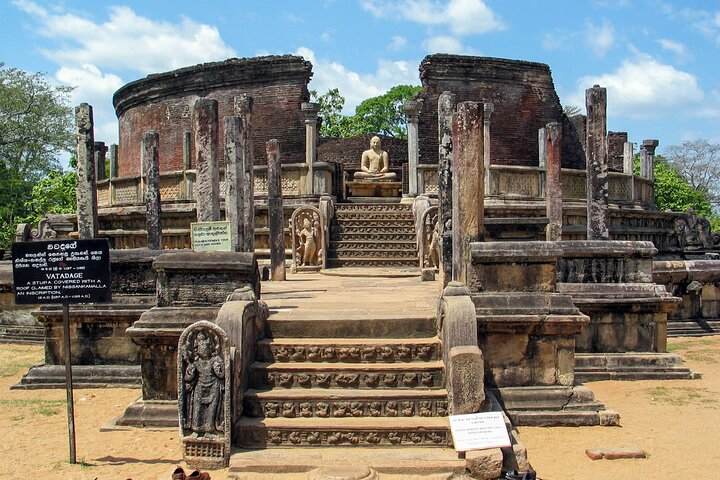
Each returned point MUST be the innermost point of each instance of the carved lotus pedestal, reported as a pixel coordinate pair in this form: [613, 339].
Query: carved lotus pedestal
[374, 189]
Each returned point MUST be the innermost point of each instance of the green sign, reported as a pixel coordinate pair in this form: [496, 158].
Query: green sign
[210, 236]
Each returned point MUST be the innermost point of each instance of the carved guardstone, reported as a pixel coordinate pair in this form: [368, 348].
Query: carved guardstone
[308, 244]
[204, 395]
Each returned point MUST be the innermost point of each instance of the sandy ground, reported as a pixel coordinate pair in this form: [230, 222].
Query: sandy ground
[676, 422]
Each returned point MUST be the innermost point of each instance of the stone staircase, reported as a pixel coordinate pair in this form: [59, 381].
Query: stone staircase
[346, 382]
[373, 234]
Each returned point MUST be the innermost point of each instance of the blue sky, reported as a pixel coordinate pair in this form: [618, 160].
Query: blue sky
[658, 58]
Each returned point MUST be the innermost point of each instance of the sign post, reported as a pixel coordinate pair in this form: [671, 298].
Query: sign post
[65, 272]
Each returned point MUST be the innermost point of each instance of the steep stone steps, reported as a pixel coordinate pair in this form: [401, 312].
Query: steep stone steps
[347, 375]
[338, 403]
[374, 236]
[352, 432]
[349, 350]
[698, 328]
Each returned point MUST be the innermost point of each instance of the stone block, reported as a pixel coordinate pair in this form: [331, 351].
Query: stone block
[484, 464]
[466, 391]
[615, 453]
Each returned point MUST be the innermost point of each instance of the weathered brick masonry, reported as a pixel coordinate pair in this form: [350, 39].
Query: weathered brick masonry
[163, 102]
[524, 97]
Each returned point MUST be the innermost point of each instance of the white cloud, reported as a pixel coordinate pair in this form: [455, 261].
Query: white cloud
[445, 44]
[354, 86]
[326, 37]
[558, 39]
[127, 40]
[677, 48]
[464, 17]
[91, 84]
[600, 38]
[642, 87]
[397, 43]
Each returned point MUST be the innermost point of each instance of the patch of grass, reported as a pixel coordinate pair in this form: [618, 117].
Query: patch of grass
[16, 359]
[679, 397]
[83, 464]
[45, 408]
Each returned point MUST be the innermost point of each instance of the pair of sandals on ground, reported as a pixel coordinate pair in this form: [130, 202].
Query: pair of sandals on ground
[179, 474]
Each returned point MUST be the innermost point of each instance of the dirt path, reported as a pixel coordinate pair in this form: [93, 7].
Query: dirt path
[676, 422]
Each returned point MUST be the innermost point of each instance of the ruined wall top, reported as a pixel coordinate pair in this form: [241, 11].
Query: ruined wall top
[234, 72]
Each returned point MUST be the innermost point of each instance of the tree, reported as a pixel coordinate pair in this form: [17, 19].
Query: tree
[35, 127]
[377, 115]
[698, 162]
[674, 192]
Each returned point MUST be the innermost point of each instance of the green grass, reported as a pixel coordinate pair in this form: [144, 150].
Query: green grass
[680, 397]
[46, 408]
[15, 360]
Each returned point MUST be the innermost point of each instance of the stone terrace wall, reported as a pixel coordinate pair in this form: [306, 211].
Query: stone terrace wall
[524, 97]
[163, 102]
[349, 150]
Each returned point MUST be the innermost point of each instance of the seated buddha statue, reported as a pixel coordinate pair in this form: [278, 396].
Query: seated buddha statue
[374, 164]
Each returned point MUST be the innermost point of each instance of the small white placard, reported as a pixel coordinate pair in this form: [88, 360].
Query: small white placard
[210, 236]
[477, 431]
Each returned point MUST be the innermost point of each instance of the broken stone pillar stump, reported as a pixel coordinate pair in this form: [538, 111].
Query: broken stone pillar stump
[207, 185]
[446, 106]
[86, 190]
[153, 217]
[276, 222]
[204, 384]
[102, 353]
[596, 154]
[191, 286]
[466, 384]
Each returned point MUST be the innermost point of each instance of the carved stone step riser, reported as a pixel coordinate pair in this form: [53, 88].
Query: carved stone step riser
[361, 255]
[358, 353]
[373, 247]
[260, 438]
[374, 237]
[334, 262]
[391, 216]
[261, 378]
[255, 407]
[375, 208]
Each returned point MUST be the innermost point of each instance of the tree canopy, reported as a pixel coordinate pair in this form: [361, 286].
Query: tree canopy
[377, 115]
[698, 162]
[36, 126]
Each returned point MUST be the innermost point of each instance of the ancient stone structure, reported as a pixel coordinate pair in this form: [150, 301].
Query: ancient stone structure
[87, 216]
[204, 391]
[308, 239]
[205, 131]
[550, 155]
[446, 105]
[598, 227]
[275, 212]
[151, 161]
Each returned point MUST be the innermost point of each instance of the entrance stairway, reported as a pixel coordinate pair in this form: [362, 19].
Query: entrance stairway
[352, 366]
[373, 234]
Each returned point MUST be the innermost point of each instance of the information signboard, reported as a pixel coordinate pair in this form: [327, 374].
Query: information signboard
[62, 271]
[210, 236]
[478, 431]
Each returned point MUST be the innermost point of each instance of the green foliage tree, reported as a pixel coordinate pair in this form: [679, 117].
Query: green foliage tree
[698, 162]
[377, 115]
[35, 127]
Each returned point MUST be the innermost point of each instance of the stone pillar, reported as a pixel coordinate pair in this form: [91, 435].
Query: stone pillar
[412, 110]
[310, 110]
[244, 105]
[186, 186]
[488, 109]
[234, 187]
[151, 160]
[113, 160]
[647, 157]
[446, 105]
[596, 153]
[207, 186]
[276, 223]
[629, 166]
[86, 190]
[100, 160]
[468, 186]
[553, 180]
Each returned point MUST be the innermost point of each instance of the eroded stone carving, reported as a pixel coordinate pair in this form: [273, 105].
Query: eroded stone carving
[204, 395]
[307, 239]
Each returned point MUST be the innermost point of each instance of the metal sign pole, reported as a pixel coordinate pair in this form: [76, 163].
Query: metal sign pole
[68, 381]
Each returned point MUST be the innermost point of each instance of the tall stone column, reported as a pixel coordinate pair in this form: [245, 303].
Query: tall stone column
[244, 106]
[276, 223]
[596, 153]
[86, 191]
[412, 110]
[647, 158]
[629, 166]
[113, 171]
[100, 160]
[186, 188]
[151, 160]
[468, 185]
[234, 187]
[446, 105]
[207, 186]
[310, 110]
[488, 109]
[553, 180]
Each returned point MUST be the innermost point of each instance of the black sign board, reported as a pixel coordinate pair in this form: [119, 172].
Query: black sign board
[62, 271]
